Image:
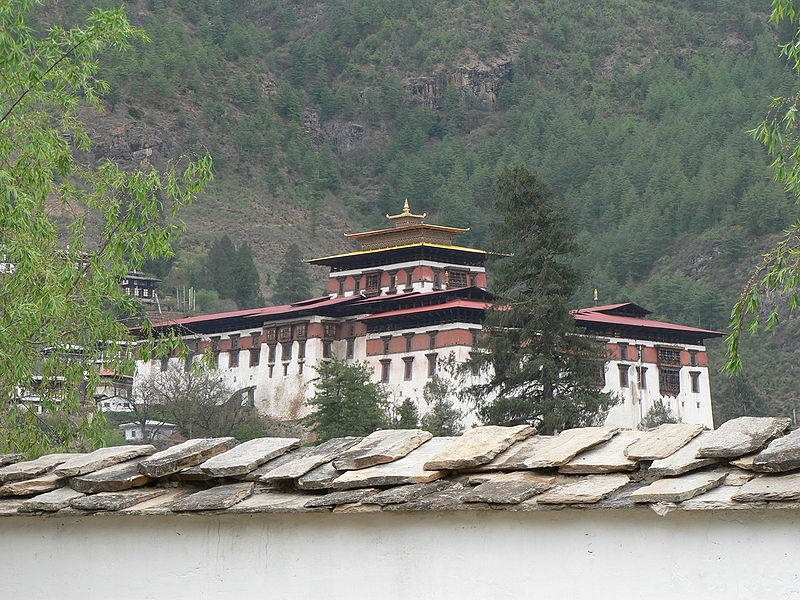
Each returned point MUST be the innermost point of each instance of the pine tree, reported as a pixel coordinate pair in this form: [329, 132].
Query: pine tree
[220, 267]
[347, 401]
[406, 415]
[658, 414]
[247, 283]
[292, 283]
[541, 369]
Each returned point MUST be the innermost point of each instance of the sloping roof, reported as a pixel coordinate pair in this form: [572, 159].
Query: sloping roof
[324, 259]
[749, 463]
[477, 305]
[593, 316]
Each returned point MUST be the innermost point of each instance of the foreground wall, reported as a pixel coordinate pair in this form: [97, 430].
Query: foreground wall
[567, 554]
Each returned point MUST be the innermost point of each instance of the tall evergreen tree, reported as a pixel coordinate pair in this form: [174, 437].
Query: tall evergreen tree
[541, 369]
[347, 402]
[247, 283]
[293, 282]
[220, 267]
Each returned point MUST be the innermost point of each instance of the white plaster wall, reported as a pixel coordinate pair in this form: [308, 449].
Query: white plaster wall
[574, 555]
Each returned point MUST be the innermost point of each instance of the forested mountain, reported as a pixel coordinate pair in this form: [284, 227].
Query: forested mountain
[324, 115]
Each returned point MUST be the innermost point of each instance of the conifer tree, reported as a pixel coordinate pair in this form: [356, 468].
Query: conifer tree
[247, 283]
[406, 415]
[220, 267]
[347, 401]
[292, 283]
[541, 369]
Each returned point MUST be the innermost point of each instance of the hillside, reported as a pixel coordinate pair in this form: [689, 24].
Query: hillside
[322, 116]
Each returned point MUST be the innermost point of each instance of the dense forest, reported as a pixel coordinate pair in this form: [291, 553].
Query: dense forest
[322, 116]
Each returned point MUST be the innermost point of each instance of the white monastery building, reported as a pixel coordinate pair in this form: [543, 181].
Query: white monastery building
[410, 298]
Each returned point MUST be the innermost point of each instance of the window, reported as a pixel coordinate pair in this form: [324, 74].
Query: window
[352, 329]
[326, 349]
[669, 381]
[623, 351]
[351, 343]
[341, 287]
[373, 283]
[641, 374]
[431, 364]
[409, 341]
[301, 349]
[393, 279]
[456, 279]
[300, 331]
[386, 365]
[623, 375]
[286, 351]
[695, 378]
[409, 277]
[234, 341]
[408, 368]
[272, 348]
[255, 356]
[329, 330]
[255, 339]
[432, 340]
[215, 344]
[285, 333]
[437, 279]
[387, 342]
[145, 293]
[669, 356]
[233, 358]
[272, 334]
[693, 358]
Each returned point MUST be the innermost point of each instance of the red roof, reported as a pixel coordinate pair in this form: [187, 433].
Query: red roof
[452, 304]
[593, 316]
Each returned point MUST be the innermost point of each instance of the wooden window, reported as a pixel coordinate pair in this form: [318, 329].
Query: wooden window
[255, 356]
[437, 279]
[387, 342]
[669, 381]
[641, 374]
[329, 330]
[695, 379]
[623, 351]
[693, 358]
[272, 352]
[234, 341]
[327, 351]
[623, 375]
[432, 340]
[409, 341]
[408, 368]
[341, 286]
[409, 277]
[456, 279]
[351, 345]
[473, 280]
[285, 333]
[286, 351]
[393, 280]
[233, 358]
[300, 331]
[373, 283]
[255, 340]
[215, 344]
[386, 369]
[301, 349]
[272, 334]
[669, 356]
[352, 329]
[432, 358]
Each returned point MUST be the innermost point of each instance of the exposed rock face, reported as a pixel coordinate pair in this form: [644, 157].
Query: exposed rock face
[482, 80]
[741, 436]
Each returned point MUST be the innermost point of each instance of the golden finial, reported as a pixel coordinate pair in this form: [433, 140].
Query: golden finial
[596, 297]
[407, 212]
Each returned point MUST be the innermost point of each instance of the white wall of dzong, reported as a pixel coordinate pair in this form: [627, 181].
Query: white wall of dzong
[576, 554]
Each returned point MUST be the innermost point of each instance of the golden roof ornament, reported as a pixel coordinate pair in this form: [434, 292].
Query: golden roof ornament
[407, 214]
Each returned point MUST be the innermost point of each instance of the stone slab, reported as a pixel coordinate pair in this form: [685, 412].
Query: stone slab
[770, 488]
[451, 498]
[744, 462]
[216, 498]
[738, 477]
[115, 478]
[314, 457]
[114, 500]
[283, 459]
[381, 447]
[584, 490]
[357, 507]
[9, 507]
[684, 460]
[409, 469]
[335, 498]
[276, 502]
[32, 468]
[50, 501]
[741, 436]
[662, 441]
[678, 489]
[514, 457]
[185, 455]
[191, 474]
[406, 493]
[604, 458]
[478, 446]
[512, 489]
[29, 487]
[561, 449]
[9, 459]
[245, 457]
[101, 458]
[719, 498]
[782, 454]
[319, 478]
[160, 505]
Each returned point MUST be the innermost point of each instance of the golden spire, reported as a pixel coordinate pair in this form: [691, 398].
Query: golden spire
[407, 213]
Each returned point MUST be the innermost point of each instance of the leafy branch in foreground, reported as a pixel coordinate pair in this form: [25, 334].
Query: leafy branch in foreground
[69, 232]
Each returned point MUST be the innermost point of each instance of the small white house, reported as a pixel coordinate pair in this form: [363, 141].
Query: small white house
[149, 432]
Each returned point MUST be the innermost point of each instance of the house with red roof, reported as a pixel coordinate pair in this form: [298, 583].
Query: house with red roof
[407, 300]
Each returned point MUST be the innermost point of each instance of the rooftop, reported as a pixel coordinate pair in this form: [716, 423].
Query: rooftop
[748, 463]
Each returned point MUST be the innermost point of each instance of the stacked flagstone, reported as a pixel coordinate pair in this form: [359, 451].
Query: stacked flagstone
[750, 462]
